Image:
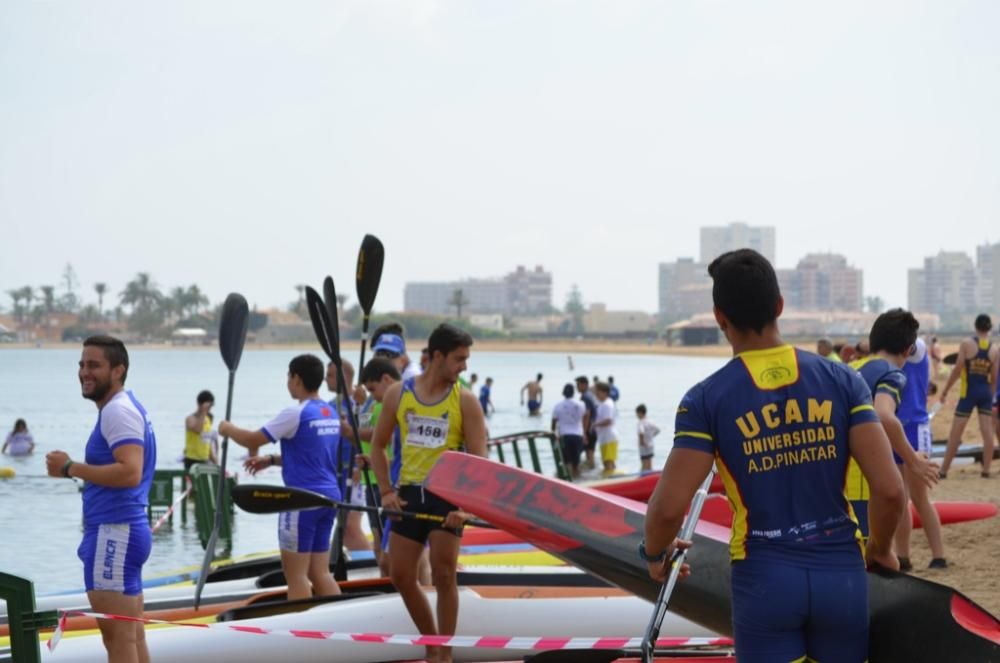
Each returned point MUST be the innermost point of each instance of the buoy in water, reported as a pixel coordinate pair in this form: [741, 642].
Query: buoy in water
[7, 473]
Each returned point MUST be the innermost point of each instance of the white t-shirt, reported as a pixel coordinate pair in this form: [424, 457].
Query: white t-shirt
[568, 414]
[606, 410]
[647, 431]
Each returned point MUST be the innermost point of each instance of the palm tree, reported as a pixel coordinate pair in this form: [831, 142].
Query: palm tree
[195, 299]
[146, 301]
[574, 307]
[28, 295]
[16, 295]
[100, 289]
[458, 300]
[49, 295]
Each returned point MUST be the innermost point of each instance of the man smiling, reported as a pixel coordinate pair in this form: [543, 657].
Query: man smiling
[120, 460]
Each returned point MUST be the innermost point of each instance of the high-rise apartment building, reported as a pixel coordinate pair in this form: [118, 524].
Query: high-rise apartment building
[988, 276]
[529, 292]
[822, 282]
[685, 289]
[946, 285]
[716, 240]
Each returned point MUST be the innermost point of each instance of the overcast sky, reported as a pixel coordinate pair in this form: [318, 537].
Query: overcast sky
[249, 145]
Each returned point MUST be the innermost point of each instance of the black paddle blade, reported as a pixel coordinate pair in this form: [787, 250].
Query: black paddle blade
[950, 359]
[233, 329]
[330, 297]
[260, 498]
[368, 275]
[321, 323]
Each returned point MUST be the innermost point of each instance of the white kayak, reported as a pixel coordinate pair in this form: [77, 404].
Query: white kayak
[596, 614]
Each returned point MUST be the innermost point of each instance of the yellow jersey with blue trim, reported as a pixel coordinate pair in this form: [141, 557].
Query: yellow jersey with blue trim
[427, 430]
[881, 378]
[777, 421]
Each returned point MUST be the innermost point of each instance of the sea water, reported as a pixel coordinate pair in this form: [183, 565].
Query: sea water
[40, 517]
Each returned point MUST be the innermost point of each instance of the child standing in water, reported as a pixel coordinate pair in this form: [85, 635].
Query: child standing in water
[647, 431]
[19, 441]
[604, 424]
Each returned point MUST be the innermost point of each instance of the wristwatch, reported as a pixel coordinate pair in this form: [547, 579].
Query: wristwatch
[651, 558]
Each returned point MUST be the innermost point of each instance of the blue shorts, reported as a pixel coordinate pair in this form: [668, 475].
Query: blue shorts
[306, 531]
[113, 555]
[785, 613]
[534, 406]
[919, 437]
[981, 399]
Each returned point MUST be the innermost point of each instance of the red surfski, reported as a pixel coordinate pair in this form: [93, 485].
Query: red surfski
[912, 620]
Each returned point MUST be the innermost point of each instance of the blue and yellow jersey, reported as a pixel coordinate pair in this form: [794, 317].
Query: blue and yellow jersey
[777, 422]
[881, 378]
[427, 430]
[978, 371]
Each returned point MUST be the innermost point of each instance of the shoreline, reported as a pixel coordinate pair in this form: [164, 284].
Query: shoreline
[567, 346]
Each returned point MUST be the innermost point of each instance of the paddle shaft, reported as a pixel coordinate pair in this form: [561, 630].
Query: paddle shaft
[676, 562]
[206, 562]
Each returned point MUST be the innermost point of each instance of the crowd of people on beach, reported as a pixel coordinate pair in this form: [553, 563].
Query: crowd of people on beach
[775, 421]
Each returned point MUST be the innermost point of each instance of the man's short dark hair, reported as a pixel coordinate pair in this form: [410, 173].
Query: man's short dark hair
[387, 328]
[745, 289]
[310, 370]
[114, 351]
[539, 378]
[568, 391]
[378, 367]
[205, 396]
[895, 331]
[583, 379]
[446, 339]
[983, 323]
[640, 408]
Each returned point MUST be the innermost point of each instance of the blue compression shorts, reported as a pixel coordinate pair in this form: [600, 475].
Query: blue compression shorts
[783, 613]
[980, 399]
[306, 531]
[113, 555]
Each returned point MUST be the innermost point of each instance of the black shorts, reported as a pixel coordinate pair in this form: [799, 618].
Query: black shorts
[190, 462]
[572, 446]
[591, 440]
[420, 500]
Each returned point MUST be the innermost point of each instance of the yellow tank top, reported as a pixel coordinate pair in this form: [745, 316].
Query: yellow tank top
[427, 431]
[197, 446]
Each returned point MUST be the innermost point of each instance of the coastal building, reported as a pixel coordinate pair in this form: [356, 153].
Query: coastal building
[597, 319]
[685, 289]
[945, 285]
[521, 292]
[988, 276]
[529, 292]
[822, 282]
[716, 240]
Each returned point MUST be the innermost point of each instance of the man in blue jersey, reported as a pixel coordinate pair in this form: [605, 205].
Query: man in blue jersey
[309, 433]
[892, 338]
[780, 424]
[977, 363]
[912, 413]
[120, 459]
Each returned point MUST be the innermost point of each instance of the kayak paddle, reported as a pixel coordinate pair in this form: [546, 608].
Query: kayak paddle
[368, 275]
[676, 562]
[261, 498]
[232, 337]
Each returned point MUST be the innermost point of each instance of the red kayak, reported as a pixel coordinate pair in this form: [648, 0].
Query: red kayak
[600, 533]
[717, 510]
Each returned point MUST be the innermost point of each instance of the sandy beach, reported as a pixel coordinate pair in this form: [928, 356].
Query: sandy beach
[970, 548]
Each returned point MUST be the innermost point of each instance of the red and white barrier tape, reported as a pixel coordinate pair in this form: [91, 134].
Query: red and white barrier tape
[471, 641]
[163, 518]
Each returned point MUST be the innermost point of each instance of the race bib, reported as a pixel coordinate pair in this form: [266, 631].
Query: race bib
[426, 432]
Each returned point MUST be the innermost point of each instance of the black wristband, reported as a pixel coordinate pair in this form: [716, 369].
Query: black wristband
[65, 468]
[646, 557]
